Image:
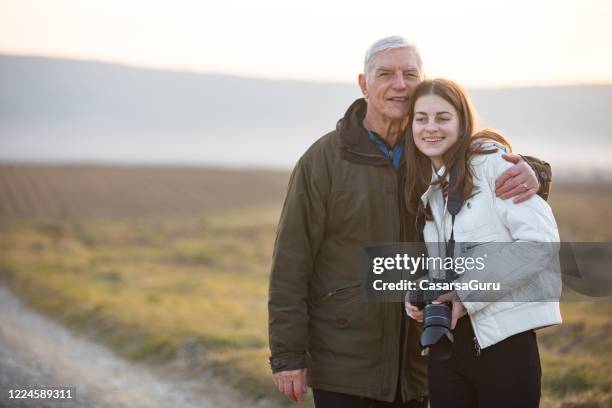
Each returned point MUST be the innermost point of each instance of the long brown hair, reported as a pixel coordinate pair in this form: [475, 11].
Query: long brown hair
[418, 165]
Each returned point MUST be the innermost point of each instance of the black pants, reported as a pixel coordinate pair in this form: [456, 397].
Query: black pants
[506, 374]
[329, 399]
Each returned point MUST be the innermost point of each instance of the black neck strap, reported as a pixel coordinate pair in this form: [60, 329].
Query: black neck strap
[453, 206]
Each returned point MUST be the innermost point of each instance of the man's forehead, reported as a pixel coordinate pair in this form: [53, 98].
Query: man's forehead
[395, 58]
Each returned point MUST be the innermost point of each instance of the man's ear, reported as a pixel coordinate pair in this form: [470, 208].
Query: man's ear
[362, 84]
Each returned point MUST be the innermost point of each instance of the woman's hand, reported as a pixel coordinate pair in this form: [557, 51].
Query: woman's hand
[458, 308]
[414, 312]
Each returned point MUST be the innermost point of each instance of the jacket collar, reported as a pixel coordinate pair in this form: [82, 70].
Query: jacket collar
[433, 188]
[354, 141]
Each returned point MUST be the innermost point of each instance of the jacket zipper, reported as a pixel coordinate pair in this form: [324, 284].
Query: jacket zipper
[475, 339]
[337, 290]
[477, 347]
[378, 156]
[467, 248]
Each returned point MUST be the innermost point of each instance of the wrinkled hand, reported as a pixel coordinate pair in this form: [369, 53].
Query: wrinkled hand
[519, 181]
[458, 308]
[414, 312]
[292, 383]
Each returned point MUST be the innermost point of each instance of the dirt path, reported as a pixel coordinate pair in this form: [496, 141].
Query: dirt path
[37, 351]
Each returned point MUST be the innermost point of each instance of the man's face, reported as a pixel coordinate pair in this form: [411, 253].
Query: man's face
[390, 83]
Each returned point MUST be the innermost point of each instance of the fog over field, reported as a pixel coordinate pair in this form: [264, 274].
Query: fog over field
[59, 110]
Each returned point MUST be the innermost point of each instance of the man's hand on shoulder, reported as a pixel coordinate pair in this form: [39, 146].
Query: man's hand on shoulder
[519, 181]
[292, 383]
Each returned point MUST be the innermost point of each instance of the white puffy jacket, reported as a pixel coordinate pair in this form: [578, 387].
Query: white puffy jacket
[521, 269]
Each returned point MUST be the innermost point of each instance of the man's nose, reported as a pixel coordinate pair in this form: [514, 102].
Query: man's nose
[399, 81]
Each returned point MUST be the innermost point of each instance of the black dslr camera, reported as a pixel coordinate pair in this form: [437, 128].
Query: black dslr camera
[437, 335]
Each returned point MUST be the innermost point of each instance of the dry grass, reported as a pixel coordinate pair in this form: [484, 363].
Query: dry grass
[69, 193]
[191, 282]
[154, 291]
[583, 212]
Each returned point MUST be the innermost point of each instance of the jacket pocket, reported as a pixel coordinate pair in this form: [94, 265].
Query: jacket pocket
[468, 247]
[339, 292]
[342, 322]
[340, 306]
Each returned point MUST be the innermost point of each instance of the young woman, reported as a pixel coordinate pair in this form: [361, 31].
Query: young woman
[495, 360]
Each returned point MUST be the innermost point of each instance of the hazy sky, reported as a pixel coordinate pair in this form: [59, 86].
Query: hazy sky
[480, 43]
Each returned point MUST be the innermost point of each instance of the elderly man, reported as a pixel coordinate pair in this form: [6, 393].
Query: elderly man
[347, 191]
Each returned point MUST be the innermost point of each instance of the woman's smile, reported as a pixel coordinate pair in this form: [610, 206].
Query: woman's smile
[432, 140]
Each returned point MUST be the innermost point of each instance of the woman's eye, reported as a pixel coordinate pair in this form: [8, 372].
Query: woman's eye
[420, 120]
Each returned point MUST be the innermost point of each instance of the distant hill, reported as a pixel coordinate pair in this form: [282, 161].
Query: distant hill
[59, 110]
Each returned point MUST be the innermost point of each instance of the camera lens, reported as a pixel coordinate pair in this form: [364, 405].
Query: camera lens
[436, 330]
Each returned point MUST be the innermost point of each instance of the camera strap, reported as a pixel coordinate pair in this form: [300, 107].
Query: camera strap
[453, 207]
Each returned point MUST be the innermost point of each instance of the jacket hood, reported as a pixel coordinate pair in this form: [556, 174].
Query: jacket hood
[350, 127]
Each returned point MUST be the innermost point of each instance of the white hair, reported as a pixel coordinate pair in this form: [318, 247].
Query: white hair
[389, 43]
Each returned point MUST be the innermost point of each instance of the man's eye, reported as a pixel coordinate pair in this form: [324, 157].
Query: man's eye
[382, 74]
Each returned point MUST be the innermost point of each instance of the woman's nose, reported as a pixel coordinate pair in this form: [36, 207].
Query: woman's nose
[431, 127]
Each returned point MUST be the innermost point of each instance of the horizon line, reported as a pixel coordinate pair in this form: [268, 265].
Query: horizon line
[192, 71]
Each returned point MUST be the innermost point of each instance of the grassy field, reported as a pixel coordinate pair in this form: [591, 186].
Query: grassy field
[169, 264]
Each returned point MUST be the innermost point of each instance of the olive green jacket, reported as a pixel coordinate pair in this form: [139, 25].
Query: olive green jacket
[343, 194]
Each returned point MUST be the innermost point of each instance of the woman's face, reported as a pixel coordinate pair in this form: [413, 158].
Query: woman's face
[435, 127]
